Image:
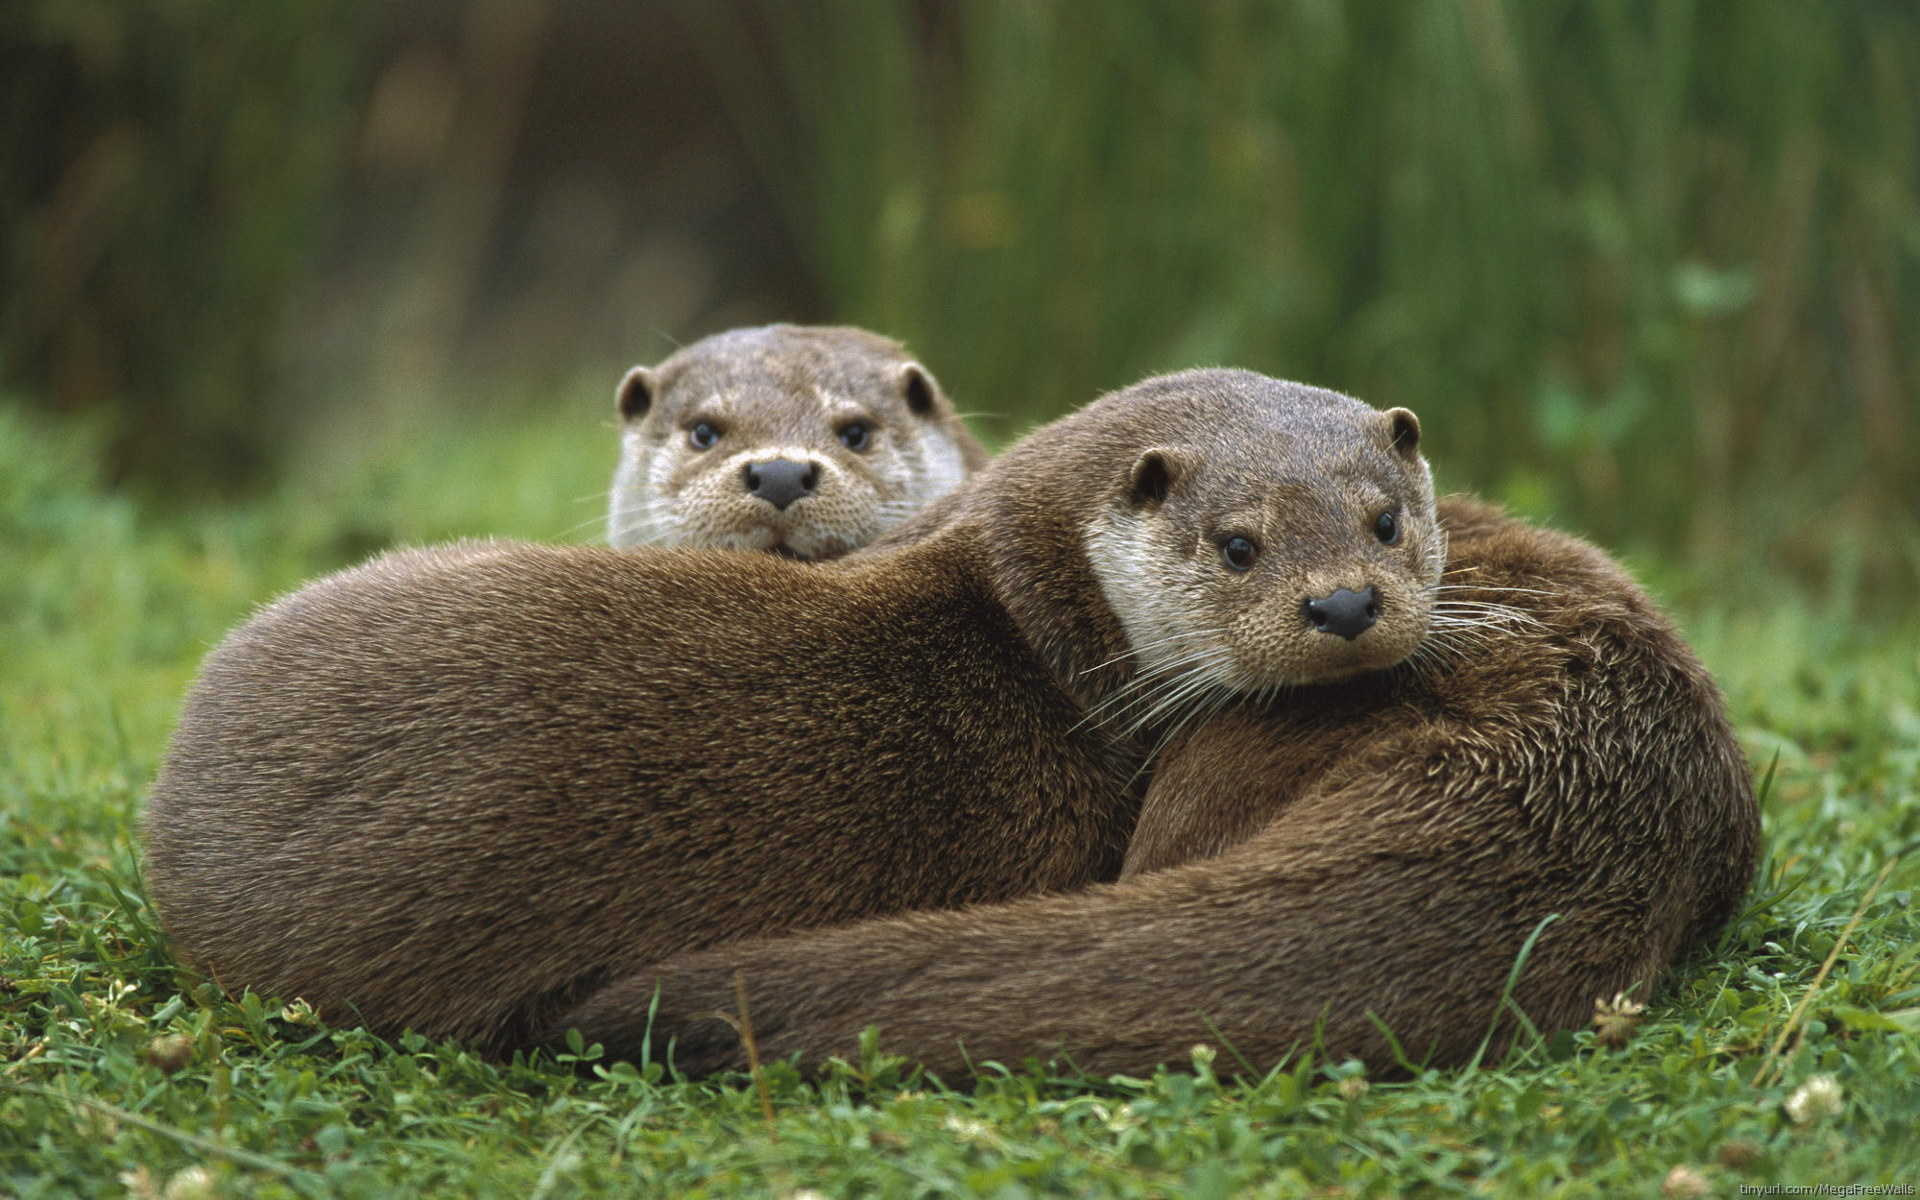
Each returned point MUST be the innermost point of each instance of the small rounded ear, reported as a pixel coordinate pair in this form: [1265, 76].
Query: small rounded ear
[1152, 477]
[1403, 431]
[921, 392]
[634, 396]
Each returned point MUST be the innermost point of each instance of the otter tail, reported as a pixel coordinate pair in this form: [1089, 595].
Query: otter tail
[1387, 932]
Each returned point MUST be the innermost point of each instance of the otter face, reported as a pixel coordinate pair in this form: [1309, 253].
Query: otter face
[803, 442]
[1308, 558]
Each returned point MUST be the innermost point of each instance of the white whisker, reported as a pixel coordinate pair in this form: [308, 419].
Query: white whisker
[1183, 636]
[1148, 683]
[1142, 701]
[1481, 587]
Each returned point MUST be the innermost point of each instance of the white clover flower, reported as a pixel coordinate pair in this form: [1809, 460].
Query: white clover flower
[1817, 1098]
[1615, 1020]
[193, 1183]
[1685, 1183]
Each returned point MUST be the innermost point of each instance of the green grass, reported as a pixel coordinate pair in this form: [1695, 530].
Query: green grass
[1656, 265]
[105, 608]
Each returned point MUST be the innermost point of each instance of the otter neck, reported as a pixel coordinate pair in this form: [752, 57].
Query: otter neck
[1041, 576]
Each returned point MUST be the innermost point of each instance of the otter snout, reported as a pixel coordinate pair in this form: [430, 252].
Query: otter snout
[1346, 613]
[781, 481]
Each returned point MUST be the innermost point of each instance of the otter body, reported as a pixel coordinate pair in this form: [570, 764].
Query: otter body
[443, 788]
[803, 441]
[457, 789]
[1378, 849]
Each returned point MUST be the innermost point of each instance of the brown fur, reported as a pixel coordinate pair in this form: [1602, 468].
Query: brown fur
[783, 394]
[1371, 854]
[451, 789]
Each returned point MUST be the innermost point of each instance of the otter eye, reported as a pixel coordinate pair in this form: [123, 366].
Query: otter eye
[853, 435]
[1386, 527]
[703, 436]
[1239, 553]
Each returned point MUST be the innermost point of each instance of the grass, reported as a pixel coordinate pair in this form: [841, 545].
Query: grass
[120, 1075]
[1657, 265]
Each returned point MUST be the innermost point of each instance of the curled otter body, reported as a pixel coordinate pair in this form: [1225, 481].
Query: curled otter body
[1308, 872]
[805, 441]
[455, 789]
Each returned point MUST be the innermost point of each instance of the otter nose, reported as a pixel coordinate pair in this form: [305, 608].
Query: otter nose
[1346, 613]
[781, 481]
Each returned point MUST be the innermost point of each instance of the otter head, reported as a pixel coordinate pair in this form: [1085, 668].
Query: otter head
[1272, 535]
[806, 442]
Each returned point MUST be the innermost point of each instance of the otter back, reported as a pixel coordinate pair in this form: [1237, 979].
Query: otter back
[445, 787]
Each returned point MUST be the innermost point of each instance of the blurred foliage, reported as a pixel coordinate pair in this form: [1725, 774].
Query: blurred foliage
[167, 170]
[1650, 268]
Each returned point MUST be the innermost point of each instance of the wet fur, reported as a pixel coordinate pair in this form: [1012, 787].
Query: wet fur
[1320, 868]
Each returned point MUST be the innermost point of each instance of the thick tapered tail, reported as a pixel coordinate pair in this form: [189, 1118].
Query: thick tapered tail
[1401, 948]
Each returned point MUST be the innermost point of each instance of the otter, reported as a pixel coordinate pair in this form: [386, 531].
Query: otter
[457, 789]
[803, 441]
[1356, 869]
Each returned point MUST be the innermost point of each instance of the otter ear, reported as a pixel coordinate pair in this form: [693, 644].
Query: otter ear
[1152, 477]
[919, 389]
[1403, 431]
[634, 396]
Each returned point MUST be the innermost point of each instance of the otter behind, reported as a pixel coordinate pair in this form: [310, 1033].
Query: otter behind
[804, 441]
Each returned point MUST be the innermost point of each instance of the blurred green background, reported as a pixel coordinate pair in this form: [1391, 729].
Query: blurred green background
[1649, 270]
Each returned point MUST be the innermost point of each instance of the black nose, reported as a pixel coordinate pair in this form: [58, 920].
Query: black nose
[781, 481]
[1346, 613]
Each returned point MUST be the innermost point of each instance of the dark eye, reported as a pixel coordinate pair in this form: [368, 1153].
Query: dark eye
[703, 436]
[1239, 553]
[854, 436]
[1386, 527]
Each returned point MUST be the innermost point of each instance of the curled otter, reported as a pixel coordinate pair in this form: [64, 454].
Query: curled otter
[1547, 791]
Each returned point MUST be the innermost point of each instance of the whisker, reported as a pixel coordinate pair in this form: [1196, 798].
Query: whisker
[1203, 708]
[1428, 658]
[1450, 621]
[1131, 690]
[1187, 676]
[1462, 603]
[1142, 688]
[1486, 620]
[1485, 610]
[1443, 621]
[581, 526]
[1482, 587]
[1190, 685]
[1183, 635]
